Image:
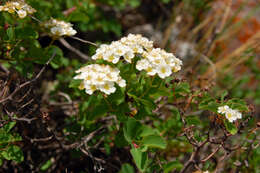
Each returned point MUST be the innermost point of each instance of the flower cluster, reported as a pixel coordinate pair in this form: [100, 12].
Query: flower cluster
[155, 60]
[231, 114]
[158, 61]
[20, 7]
[99, 77]
[59, 28]
[126, 47]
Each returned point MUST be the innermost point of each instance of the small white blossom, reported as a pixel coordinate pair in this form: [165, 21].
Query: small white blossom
[121, 82]
[129, 55]
[59, 28]
[142, 64]
[19, 6]
[99, 77]
[231, 114]
[164, 71]
[107, 88]
[22, 13]
[223, 109]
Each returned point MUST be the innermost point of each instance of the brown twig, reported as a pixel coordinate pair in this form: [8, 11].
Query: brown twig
[73, 49]
[11, 117]
[30, 81]
[85, 41]
[211, 155]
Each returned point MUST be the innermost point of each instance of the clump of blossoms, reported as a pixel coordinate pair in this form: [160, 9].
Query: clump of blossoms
[126, 47]
[20, 7]
[99, 77]
[230, 114]
[156, 61]
[59, 28]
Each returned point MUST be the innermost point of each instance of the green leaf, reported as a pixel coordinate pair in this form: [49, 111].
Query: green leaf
[120, 139]
[46, 165]
[26, 32]
[98, 110]
[144, 101]
[171, 166]
[223, 95]
[209, 103]
[127, 168]
[134, 3]
[10, 33]
[182, 89]
[75, 83]
[146, 131]
[231, 128]
[13, 152]
[237, 104]
[121, 112]
[6, 137]
[117, 98]
[140, 159]
[131, 129]
[9, 126]
[155, 141]
[166, 1]
[78, 17]
[193, 120]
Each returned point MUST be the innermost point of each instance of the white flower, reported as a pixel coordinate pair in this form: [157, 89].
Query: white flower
[20, 7]
[99, 77]
[142, 64]
[238, 114]
[129, 55]
[121, 82]
[150, 70]
[22, 13]
[71, 31]
[59, 28]
[110, 57]
[107, 88]
[223, 109]
[57, 31]
[231, 114]
[89, 88]
[164, 71]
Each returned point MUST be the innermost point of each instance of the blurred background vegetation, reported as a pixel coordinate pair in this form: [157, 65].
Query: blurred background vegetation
[217, 40]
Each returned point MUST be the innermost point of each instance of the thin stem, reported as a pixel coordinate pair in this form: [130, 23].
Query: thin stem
[110, 107]
[34, 18]
[73, 49]
[84, 41]
[151, 84]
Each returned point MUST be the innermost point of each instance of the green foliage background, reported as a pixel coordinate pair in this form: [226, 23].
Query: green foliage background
[150, 141]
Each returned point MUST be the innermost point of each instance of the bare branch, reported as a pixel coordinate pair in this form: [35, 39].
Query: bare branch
[84, 41]
[30, 81]
[73, 49]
